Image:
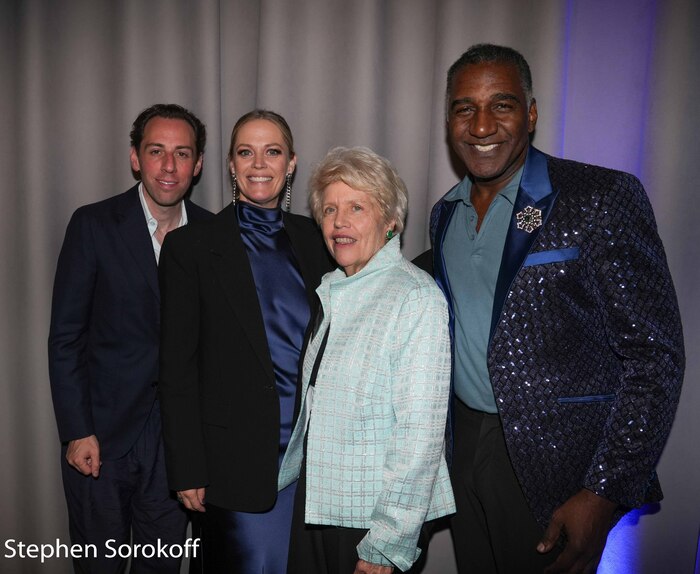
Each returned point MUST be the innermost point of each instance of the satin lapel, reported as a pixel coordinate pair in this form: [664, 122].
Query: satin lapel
[132, 227]
[536, 191]
[232, 270]
[444, 217]
[440, 271]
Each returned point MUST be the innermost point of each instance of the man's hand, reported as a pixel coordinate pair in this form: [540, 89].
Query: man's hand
[83, 454]
[585, 519]
[363, 567]
[192, 499]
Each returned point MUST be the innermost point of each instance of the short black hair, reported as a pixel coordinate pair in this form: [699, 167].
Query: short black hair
[169, 111]
[491, 53]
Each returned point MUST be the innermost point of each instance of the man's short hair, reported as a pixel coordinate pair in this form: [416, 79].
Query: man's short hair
[170, 112]
[490, 53]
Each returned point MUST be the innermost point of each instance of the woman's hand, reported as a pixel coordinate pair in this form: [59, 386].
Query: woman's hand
[363, 567]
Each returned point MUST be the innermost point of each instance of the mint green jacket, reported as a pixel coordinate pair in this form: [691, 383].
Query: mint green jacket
[376, 416]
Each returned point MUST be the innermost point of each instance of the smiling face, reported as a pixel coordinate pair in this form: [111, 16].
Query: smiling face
[489, 122]
[261, 161]
[167, 161]
[353, 226]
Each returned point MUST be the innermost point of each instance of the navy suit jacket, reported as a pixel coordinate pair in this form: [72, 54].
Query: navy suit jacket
[586, 351]
[105, 321]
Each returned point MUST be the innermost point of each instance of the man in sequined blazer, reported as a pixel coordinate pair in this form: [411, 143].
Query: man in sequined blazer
[568, 350]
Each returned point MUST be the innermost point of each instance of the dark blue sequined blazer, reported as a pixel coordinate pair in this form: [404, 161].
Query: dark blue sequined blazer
[586, 349]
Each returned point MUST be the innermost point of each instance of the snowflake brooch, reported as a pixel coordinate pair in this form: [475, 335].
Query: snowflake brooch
[529, 219]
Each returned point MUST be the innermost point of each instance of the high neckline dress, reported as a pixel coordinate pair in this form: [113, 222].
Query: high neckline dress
[258, 542]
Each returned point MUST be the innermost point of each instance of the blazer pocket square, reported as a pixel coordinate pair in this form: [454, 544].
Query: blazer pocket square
[553, 256]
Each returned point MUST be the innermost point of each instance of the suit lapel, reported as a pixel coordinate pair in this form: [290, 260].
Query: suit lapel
[195, 213]
[312, 266]
[439, 269]
[440, 225]
[535, 191]
[132, 227]
[232, 270]
[303, 252]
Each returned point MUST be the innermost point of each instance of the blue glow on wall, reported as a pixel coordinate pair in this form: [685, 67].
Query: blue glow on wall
[621, 554]
[607, 75]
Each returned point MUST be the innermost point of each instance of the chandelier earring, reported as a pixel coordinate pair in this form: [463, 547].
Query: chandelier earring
[234, 187]
[288, 193]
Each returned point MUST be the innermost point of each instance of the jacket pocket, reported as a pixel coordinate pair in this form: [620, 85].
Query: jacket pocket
[587, 399]
[552, 256]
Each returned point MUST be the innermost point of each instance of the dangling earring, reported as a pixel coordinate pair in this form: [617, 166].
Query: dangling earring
[288, 194]
[234, 186]
[389, 234]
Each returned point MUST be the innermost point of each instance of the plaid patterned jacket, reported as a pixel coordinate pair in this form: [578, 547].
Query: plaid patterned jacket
[375, 448]
[586, 350]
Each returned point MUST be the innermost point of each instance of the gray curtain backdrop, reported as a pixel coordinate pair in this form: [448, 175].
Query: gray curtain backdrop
[616, 84]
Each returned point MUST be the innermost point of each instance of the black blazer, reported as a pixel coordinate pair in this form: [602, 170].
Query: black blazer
[105, 319]
[217, 387]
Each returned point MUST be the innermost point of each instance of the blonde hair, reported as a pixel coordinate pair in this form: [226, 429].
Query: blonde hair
[363, 170]
[270, 116]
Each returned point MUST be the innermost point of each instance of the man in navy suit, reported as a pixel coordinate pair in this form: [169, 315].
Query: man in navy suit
[568, 349]
[103, 352]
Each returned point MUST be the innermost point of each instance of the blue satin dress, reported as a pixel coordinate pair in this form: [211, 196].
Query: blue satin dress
[258, 542]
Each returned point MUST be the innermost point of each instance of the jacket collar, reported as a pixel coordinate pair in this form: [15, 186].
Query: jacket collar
[388, 256]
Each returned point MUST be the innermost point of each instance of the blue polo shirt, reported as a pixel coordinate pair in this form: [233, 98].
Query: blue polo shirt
[472, 261]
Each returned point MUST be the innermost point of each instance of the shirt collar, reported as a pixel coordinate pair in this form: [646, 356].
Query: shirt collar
[461, 192]
[151, 221]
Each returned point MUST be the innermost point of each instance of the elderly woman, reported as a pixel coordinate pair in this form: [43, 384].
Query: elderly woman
[369, 440]
[236, 297]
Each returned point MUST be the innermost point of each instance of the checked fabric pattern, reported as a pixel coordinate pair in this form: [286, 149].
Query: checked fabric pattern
[376, 430]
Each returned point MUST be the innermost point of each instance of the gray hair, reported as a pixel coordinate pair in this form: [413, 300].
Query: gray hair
[363, 170]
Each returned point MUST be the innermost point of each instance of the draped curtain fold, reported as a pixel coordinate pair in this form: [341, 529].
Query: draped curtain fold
[615, 84]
